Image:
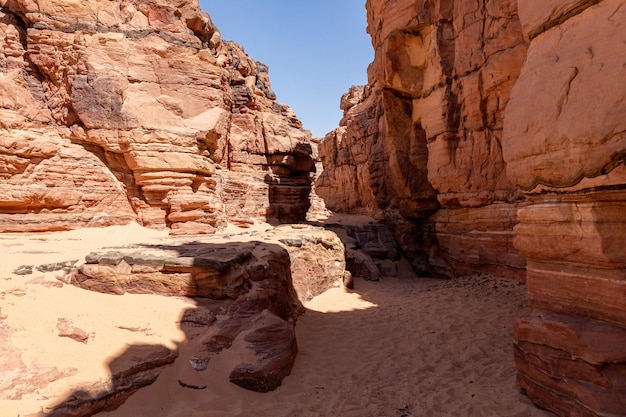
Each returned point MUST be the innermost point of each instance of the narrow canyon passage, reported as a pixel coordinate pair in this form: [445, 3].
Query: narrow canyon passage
[398, 347]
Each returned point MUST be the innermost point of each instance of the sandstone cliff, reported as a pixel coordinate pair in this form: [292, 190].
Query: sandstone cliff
[420, 146]
[113, 111]
[565, 146]
[491, 137]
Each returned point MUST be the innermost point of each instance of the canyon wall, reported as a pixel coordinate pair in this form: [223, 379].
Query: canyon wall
[420, 146]
[491, 137]
[565, 147]
[119, 111]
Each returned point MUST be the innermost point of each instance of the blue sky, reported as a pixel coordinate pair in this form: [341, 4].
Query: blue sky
[315, 50]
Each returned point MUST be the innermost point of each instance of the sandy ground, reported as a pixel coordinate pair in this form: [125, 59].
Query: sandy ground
[398, 347]
[393, 348]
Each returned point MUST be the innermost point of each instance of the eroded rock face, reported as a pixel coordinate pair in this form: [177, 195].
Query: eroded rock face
[114, 111]
[425, 135]
[491, 137]
[564, 147]
[305, 260]
[139, 367]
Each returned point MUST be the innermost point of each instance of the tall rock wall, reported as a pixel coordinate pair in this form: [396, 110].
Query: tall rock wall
[113, 111]
[421, 145]
[492, 137]
[565, 147]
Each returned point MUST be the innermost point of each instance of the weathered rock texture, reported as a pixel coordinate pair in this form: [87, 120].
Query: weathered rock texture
[138, 367]
[492, 137]
[565, 147]
[200, 295]
[420, 146]
[257, 284]
[114, 111]
[283, 263]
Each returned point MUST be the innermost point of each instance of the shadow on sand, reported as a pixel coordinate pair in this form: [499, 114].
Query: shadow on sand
[399, 347]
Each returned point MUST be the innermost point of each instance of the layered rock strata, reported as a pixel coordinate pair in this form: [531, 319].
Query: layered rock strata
[491, 137]
[218, 269]
[565, 147]
[420, 146]
[114, 111]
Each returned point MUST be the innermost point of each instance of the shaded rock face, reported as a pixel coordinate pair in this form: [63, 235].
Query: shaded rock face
[114, 111]
[139, 367]
[420, 146]
[239, 288]
[565, 142]
[304, 261]
[491, 137]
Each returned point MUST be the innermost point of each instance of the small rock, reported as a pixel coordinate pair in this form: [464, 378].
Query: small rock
[67, 329]
[56, 266]
[348, 280]
[199, 364]
[23, 270]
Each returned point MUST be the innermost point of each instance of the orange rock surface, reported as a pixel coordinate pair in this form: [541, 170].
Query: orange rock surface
[491, 137]
[425, 135]
[114, 111]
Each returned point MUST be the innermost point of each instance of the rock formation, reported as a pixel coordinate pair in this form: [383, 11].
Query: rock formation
[491, 137]
[114, 111]
[241, 291]
[565, 147]
[420, 146]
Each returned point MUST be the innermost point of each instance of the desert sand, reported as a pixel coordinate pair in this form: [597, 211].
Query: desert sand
[402, 346]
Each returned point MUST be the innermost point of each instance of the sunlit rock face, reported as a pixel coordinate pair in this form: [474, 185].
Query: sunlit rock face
[491, 137]
[420, 146]
[113, 111]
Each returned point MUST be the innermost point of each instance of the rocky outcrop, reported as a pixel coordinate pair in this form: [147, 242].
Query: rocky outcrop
[240, 293]
[114, 111]
[420, 146]
[307, 258]
[491, 137]
[565, 147]
[139, 367]
[256, 285]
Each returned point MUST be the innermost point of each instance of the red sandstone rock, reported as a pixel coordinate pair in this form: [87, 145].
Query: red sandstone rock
[572, 115]
[255, 285]
[273, 344]
[426, 132]
[313, 257]
[564, 144]
[491, 136]
[67, 329]
[137, 367]
[572, 365]
[114, 111]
